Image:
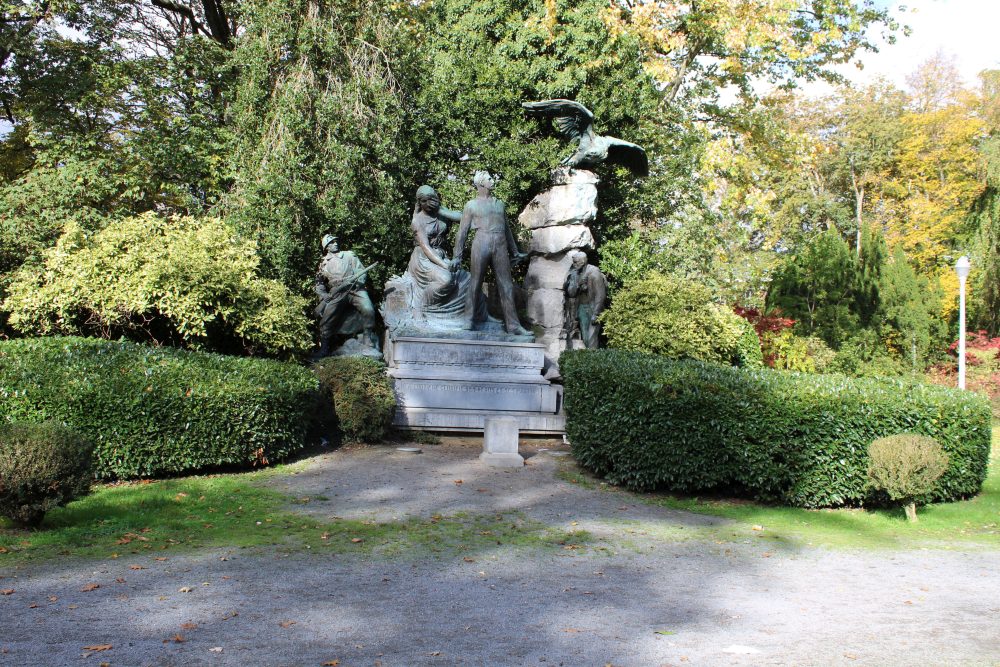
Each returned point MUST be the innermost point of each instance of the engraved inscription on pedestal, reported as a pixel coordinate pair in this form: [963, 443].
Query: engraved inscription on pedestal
[450, 384]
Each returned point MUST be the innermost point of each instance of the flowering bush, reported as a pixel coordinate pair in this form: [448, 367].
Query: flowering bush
[982, 367]
[781, 348]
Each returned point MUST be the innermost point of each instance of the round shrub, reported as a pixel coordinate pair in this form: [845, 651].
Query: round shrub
[362, 395]
[153, 411]
[676, 318]
[42, 466]
[906, 466]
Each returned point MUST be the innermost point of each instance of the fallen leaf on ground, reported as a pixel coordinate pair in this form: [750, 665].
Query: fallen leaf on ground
[469, 560]
[53, 598]
[664, 632]
[177, 639]
[7, 591]
[458, 481]
[482, 490]
[120, 580]
[850, 656]
[184, 589]
[33, 605]
[188, 626]
[572, 630]
[356, 540]
[331, 663]
[136, 567]
[757, 528]
[98, 647]
[286, 624]
[216, 649]
[90, 587]
[160, 558]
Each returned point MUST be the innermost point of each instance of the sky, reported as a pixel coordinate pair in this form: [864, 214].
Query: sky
[968, 30]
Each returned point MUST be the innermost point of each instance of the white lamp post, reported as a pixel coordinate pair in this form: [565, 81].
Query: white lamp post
[962, 267]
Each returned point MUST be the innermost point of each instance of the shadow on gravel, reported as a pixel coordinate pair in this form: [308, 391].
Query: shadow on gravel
[620, 598]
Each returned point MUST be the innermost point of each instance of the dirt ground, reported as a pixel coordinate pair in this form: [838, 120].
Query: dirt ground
[646, 589]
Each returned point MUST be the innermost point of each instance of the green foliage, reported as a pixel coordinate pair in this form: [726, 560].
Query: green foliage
[341, 111]
[748, 350]
[183, 281]
[985, 215]
[158, 411]
[666, 315]
[817, 288]
[42, 466]
[907, 311]
[647, 422]
[874, 309]
[866, 355]
[115, 112]
[797, 353]
[906, 465]
[362, 396]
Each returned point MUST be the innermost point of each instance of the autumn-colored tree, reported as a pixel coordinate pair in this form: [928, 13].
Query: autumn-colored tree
[938, 174]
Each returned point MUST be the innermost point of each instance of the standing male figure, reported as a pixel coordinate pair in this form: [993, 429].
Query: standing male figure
[586, 295]
[344, 306]
[493, 245]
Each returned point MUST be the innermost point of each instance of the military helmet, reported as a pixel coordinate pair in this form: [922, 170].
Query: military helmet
[328, 239]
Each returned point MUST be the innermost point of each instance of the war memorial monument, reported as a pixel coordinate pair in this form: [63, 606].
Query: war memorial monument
[455, 366]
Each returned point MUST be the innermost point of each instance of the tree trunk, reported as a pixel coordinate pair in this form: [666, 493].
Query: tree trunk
[911, 512]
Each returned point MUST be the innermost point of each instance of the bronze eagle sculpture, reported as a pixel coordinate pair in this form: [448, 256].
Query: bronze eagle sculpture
[576, 122]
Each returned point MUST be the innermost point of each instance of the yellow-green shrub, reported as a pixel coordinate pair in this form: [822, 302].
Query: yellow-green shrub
[676, 318]
[906, 466]
[182, 281]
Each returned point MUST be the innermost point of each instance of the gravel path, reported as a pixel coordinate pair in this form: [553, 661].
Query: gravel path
[640, 593]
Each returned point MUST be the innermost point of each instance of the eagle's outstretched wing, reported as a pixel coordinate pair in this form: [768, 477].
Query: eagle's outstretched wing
[629, 155]
[572, 119]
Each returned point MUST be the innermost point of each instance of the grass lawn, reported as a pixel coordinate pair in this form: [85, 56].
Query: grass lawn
[970, 523]
[234, 511]
[184, 514]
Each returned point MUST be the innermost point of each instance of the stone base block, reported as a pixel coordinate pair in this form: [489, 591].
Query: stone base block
[500, 435]
[502, 460]
[455, 385]
[500, 443]
[474, 421]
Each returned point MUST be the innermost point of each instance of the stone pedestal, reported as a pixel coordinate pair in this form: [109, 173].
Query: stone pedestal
[500, 443]
[457, 384]
[558, 219]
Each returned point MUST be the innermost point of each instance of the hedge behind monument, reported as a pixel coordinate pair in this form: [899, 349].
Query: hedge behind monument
[650, 423]
[155, 411]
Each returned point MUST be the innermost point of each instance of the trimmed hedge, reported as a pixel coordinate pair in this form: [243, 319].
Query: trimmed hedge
[646, 422]
[155, 411]
[42, 466]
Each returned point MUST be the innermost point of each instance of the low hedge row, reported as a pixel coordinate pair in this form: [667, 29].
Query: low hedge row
[646, 422]
[154, 411]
